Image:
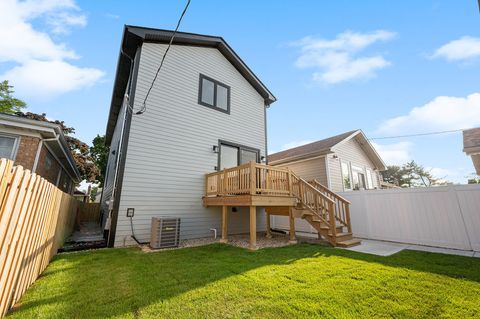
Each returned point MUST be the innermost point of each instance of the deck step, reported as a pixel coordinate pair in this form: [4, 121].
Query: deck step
[344, 237]
[349, 243]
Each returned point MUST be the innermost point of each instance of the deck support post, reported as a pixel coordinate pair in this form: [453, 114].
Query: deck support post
[224, 224]
[291, 219]
[268, 232]
[253, 228]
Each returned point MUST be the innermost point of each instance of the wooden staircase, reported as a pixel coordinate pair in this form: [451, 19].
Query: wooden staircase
[325, 210]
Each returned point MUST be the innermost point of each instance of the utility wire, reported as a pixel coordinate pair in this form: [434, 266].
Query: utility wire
[144, 107]
[418, 134]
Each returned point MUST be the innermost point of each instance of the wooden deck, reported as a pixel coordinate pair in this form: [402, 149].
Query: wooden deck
[280, 192]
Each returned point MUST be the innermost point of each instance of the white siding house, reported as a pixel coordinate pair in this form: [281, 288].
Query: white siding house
[323, 161]
[159, 158]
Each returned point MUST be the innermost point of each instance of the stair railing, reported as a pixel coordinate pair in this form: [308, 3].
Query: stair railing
[342, 205]
[317, 202]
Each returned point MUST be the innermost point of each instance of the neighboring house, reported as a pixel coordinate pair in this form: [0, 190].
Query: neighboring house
[343, 162]
[205, 112]
[39, 147]
[471, 146]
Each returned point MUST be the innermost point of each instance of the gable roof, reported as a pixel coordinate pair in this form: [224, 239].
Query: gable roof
[134, 36]
[327, 146]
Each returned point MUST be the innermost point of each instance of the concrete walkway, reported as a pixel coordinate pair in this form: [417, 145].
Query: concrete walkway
[87, 232]
[385, 248]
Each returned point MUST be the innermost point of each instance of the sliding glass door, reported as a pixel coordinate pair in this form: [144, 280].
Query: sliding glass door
[232, 155]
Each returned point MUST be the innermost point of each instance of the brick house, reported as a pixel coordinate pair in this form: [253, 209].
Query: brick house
[39, 147]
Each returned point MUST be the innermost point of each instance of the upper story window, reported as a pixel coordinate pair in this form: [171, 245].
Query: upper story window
[214, 94]
[7, 146]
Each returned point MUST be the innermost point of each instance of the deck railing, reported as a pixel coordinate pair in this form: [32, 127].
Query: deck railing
[342, 205]
[250, 178]
[259, 179]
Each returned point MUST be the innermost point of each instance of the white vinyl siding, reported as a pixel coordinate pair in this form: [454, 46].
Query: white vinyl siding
[170, 145]
[349, 152]
[309, 169]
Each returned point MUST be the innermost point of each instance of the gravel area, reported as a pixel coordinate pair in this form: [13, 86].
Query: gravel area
[243, 241]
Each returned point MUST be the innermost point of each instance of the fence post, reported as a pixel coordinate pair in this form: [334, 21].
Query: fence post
[333, 224]
[347, 213]
[290, 188]
[224, 192]
[253, 178]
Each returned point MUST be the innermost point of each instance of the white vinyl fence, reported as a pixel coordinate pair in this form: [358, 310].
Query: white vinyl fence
[446, 216]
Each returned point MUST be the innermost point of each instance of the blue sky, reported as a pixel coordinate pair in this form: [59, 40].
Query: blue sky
[387, 67]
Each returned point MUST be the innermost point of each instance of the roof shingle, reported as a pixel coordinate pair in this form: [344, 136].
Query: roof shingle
[315, 147]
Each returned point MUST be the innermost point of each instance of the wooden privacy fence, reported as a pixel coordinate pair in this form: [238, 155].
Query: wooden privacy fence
[88, 212]
[35, 218]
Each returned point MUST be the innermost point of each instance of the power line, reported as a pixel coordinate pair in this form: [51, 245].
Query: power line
[144, 107]
[417, 134]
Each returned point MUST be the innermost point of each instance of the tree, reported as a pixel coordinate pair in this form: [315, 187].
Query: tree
[93, 194]
[394, 175]
[411, 174]
[473, 179]
[80, 150]
[99, 152]
[419, 176]
[9, 104]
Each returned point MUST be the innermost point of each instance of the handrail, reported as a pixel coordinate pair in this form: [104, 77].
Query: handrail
[342, 205]
[321, 205]
[327, 190]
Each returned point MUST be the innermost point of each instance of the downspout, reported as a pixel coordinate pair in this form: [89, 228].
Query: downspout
[126, 102]
[265, 124]
[111, 208]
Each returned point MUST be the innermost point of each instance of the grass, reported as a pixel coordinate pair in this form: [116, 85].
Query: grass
[220, 281]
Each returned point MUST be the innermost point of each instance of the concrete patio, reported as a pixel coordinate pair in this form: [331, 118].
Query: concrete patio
[385, 248]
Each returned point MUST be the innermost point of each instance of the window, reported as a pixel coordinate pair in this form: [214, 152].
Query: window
[347, 181]
[48, 162]
[214, 94]
[358, 177]
[7, 146]
[232, 155]
[369, 179]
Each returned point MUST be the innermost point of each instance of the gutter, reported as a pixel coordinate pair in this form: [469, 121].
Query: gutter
[67, 156]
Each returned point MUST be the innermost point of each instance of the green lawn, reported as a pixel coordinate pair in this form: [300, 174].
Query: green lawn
[220, 281]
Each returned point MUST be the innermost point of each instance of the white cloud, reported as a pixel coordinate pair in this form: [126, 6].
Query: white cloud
[62, 22]
[41, 62]
[47, 78]
[464, 48]
[112, 15]
[394, 154]
[442, 113]
[337, 60]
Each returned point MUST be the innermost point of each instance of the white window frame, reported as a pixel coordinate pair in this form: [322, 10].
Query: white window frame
[349, 168]
[370, 183]
[16, 143]
[359, 169]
